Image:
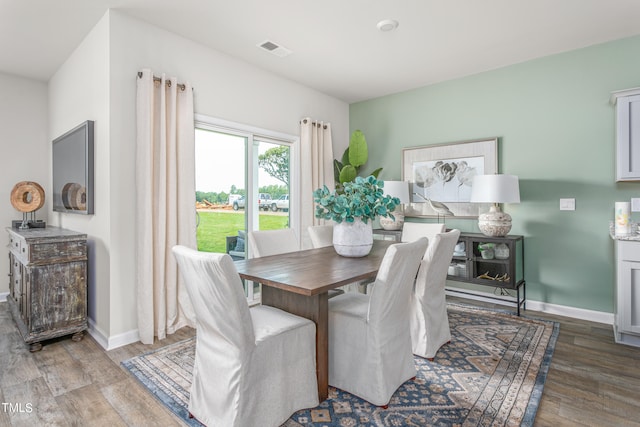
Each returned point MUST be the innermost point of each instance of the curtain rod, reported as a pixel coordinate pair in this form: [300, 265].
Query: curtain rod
[168, 82]
[313, 123]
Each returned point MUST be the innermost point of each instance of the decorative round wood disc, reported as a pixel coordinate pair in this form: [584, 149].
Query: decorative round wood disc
[73, 195]
[81, 199]
[27, 196]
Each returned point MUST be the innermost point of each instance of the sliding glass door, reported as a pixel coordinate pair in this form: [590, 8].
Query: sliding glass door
[243, 182]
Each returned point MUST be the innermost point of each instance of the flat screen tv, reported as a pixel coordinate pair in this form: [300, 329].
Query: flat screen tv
[73, 170]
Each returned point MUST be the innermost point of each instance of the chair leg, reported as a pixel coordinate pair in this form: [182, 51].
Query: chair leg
[387, 405]
[430, 359]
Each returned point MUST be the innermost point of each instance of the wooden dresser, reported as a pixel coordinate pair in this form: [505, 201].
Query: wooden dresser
[48, 283]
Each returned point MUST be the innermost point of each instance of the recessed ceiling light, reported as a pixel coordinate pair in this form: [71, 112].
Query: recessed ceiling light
[387, 25]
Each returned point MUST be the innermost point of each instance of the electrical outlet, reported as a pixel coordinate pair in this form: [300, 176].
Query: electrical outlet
[635, 204]
[567, 204]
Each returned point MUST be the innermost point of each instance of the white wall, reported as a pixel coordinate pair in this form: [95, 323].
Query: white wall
[24, 148]
[98, 82]
[223, 88]
[79, 91]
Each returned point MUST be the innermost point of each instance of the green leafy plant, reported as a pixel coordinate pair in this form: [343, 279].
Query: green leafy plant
[363, 198]
[355, 156]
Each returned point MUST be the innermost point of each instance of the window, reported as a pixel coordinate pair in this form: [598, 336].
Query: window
[245, 180]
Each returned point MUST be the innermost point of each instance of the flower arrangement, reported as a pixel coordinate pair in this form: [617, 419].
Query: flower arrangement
[362, 198]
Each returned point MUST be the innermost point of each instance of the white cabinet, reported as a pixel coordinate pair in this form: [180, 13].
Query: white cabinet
[627, 298]
[627, 134]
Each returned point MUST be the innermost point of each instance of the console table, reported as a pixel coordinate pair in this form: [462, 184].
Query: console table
[48, 283]
[382, 234]
[507, 273]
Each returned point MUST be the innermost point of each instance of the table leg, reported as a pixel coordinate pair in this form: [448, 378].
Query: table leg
[315, 308]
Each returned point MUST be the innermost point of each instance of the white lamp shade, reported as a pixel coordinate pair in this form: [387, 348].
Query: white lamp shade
[399, 189]
[495, 189]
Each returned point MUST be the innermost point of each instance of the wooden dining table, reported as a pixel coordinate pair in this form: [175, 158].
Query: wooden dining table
[299, 282]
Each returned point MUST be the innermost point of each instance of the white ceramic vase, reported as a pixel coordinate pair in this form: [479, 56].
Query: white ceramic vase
[353, 239]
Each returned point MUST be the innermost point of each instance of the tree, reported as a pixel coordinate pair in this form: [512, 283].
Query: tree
[275, 161]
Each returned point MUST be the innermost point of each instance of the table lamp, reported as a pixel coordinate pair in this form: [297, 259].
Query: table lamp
[495, 189]
[399, 189]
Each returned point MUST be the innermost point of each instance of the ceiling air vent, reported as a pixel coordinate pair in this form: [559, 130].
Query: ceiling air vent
[274, 48]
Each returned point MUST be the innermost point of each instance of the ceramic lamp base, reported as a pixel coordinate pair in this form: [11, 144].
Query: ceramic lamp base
[390, 224]
[494, 223]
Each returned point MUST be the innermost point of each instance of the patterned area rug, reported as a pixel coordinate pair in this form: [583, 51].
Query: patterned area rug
[492, 373]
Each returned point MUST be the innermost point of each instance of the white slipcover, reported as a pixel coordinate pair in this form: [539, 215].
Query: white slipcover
[253, 367]
[321, 235]
[272, 242]
[369, 341]
[428, 307]
[414, 230]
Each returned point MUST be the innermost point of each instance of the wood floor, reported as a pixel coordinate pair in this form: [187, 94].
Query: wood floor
[592, 381]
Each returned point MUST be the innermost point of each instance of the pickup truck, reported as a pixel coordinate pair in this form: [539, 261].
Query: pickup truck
[264, 201]
[238, 203]
[282, 203]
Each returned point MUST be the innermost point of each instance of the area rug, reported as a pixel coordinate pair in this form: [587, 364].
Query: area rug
[492, 373]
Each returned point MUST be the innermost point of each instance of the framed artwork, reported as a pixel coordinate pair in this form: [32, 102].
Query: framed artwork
[441, 174]
[73, 170]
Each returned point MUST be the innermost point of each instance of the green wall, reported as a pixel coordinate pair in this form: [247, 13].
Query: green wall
[556, 132]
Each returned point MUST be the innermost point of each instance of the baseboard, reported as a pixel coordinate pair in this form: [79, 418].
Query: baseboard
[544, 307]
[110, 343]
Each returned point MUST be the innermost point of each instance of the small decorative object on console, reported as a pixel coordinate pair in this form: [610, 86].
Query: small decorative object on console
[27, 197]
[501, 251]
[486, 250]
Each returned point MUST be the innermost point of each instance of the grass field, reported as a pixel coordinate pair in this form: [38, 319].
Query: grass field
[215, 226]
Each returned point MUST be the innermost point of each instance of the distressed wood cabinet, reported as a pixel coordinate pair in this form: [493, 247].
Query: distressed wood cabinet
[48, 283]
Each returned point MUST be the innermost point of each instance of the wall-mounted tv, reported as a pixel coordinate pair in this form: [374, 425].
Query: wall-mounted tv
[73, 170]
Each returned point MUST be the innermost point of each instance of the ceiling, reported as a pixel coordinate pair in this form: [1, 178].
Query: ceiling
[336, 46]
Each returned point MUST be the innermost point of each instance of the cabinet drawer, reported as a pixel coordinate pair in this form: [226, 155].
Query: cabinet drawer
[16, 243]
[56, 252]
[19, 246]
[628, 251]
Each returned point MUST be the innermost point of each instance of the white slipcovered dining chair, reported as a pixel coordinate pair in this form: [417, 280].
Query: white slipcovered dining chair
[253, 366]
[272, 242]
[428, 307]
[369, 341]
[414, 230]
[321, 235]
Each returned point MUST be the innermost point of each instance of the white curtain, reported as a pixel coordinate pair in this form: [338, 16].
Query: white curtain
[316, 168]
[165, 202]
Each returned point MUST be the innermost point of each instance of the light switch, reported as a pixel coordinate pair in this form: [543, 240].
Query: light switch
[567, 204]
[635, 204]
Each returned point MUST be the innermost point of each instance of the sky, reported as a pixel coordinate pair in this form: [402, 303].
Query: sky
[220, 162]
